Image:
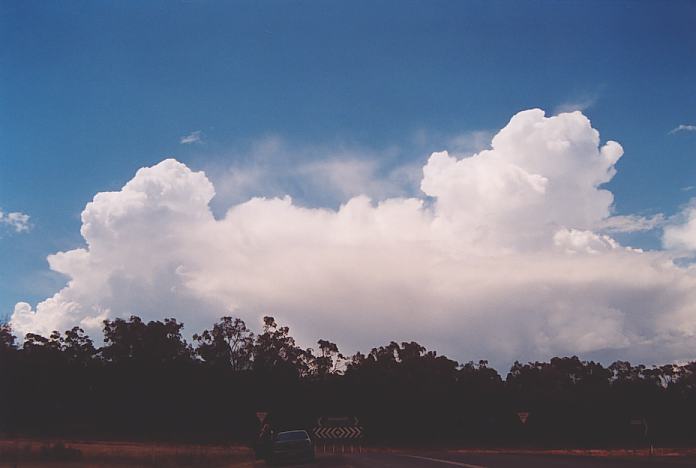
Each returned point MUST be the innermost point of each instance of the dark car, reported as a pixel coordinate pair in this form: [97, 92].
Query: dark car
[291, 446]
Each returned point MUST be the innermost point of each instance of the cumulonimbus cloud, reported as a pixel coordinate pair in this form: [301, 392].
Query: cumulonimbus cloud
[501, 258]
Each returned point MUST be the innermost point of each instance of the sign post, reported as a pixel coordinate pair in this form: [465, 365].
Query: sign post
[639, 425]
[523, 415]
[344, 429]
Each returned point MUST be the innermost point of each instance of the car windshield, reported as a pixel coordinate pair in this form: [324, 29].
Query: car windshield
[291, 435]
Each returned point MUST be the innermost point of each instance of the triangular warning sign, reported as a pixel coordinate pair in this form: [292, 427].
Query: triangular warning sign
[523, 415]
[261, 415]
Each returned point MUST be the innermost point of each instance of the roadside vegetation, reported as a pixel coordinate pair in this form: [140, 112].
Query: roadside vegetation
[42, 452]
[148, 383]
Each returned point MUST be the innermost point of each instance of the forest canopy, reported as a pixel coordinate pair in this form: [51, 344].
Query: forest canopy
[147, 381]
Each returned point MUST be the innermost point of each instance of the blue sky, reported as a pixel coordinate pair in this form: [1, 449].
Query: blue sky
[92, 91]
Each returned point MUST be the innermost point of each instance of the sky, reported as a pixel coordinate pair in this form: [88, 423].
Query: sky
[287, 158]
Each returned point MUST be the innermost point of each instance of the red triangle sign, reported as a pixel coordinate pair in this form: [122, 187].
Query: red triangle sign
[523, 415]
[261, 415]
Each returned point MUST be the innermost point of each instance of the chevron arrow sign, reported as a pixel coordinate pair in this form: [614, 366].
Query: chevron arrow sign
[337, 433]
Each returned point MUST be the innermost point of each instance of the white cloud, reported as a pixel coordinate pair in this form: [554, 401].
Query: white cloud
[683, 128]
[193, 137]
[499, 261]
[680, 231]
[19, 222]
[631, 223]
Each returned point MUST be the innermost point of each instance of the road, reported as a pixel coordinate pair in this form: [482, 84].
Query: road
[453, 459]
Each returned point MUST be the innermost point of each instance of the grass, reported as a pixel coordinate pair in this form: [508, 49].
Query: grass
[40, 452]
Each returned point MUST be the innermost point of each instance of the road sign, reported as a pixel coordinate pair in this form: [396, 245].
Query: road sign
[339, 432]
[261, 415]
[640, 423]
[523, 415]
[337, 421]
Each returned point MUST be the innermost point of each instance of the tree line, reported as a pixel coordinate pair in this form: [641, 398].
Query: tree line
[147, 382]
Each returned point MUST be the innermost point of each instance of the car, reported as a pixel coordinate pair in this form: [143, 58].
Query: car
[291, 446]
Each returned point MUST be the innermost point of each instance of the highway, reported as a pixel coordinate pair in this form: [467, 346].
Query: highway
[453, 459]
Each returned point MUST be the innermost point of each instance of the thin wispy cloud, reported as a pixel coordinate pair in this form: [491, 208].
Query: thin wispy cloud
[683, 128]
[316, 175]
[631, 223]
[193, 137]
[17, 221]
[464, 143]
[581, 105]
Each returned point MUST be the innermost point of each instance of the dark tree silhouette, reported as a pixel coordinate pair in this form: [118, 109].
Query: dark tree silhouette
[48, 348]
[7, 339]
[230, 343]
[329, 359]
[77, 347]
[146, 381]
[155, 342]
[275, 349]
